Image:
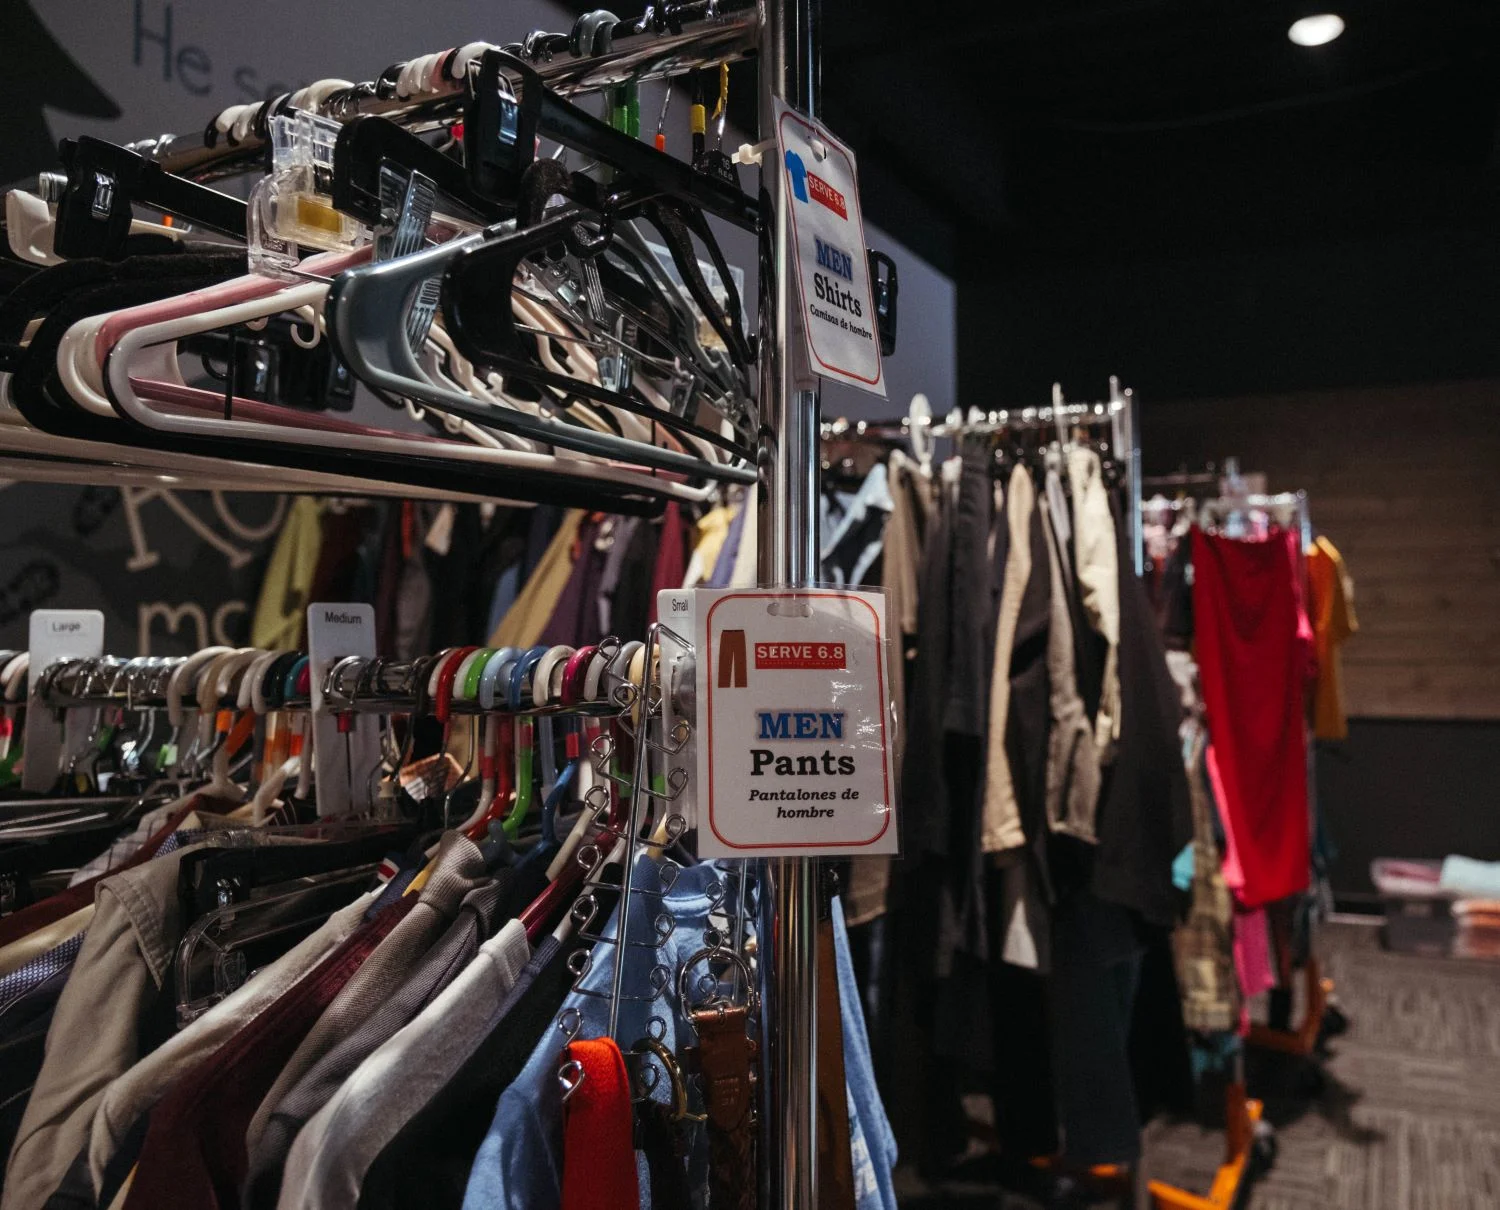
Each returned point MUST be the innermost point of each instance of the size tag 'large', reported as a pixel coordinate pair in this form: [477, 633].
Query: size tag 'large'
[794, 726]
[52, 743]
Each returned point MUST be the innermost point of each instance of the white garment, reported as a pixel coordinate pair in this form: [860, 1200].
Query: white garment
[1098, 573]
[1002, 810]
[336, 1147]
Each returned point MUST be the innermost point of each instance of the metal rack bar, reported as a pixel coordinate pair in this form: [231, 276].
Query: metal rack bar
[702, 34]
[788, 531]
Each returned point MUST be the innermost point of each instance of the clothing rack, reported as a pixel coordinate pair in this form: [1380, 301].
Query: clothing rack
[1120, 413]
[1250, 1140]
[669, 41]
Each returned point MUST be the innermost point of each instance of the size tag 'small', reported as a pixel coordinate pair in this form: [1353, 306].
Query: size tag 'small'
[833, 270]
[795, 733]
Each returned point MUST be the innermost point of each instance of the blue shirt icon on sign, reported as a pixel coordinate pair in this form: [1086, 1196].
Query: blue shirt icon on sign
[798, 169]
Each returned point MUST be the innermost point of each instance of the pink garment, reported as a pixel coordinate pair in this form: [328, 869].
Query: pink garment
[1234, 873]
[1252, 960]
[671, 556]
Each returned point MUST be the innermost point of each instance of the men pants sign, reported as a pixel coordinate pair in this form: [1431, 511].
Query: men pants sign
[794, 724]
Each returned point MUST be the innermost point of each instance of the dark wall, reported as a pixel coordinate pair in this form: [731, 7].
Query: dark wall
[1418, 307]
[1408, 788]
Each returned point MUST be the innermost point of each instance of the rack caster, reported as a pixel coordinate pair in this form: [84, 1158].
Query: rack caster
[1251, 1147]
[1306, 1038]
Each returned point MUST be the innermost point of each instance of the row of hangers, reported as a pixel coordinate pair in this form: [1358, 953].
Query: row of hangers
[1222, 501]
[1026, 435]
[568, 764]
[461, 275]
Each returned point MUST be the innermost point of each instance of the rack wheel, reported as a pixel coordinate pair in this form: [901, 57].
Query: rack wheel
[1335, 1021]
[1263, 1146]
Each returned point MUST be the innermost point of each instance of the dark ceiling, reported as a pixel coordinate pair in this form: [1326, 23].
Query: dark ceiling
[1141, 127]
[1174, 191]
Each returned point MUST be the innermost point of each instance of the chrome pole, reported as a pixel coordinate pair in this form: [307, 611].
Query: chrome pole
[788, 528]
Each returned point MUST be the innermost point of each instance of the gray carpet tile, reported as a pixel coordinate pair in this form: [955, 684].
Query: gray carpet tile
[1404, 1111]
[1401, 1113]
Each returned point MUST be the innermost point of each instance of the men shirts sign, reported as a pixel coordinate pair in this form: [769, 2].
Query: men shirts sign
[794, 731]
[828, 237]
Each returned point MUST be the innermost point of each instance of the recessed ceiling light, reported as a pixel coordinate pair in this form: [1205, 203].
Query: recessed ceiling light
[1316, 30]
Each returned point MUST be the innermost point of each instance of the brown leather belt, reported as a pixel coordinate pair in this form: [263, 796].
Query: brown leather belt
[725, 1057]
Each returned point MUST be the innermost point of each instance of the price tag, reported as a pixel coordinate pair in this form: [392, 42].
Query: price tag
[794, 734]
[56, 634]
[828, 235]
[345, 752]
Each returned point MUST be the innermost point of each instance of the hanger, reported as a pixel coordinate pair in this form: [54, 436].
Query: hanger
[266, 426]
[478, 281]
[360, 305]
[105, 181]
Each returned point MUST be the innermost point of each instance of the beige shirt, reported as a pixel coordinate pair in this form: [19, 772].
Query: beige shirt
[1002, 829]
[138, 1089]
[1098, 583]
[94, 1037]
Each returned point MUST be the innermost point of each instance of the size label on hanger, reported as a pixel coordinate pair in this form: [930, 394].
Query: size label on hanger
[828, 237]
[346, 751]
[57, 634]
[794, 727]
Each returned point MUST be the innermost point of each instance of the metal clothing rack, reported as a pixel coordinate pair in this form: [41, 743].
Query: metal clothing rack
[1120, 412]
[669, 41]
[1250, 1141]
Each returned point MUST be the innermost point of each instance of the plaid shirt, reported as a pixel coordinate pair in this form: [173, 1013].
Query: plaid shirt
[1203, 944]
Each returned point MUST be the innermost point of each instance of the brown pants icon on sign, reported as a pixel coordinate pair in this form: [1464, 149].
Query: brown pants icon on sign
[732, 665]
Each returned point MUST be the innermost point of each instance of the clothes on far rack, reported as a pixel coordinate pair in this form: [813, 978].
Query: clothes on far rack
[440, 573]
[1037, 709]
[285, 592]
[1098, 570]
[1331, 606]
[851, 530]
[1255, 657]
[1204, 943]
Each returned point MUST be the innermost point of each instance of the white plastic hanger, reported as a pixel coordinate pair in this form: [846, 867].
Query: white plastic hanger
[139, 342]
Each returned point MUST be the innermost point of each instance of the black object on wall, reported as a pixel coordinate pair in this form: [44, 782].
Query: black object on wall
[1407, 788]
[41, 75]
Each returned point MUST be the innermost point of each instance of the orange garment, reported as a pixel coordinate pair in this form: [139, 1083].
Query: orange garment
[1333, 621]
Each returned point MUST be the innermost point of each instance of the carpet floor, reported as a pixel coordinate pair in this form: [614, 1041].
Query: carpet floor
[1402, 1113]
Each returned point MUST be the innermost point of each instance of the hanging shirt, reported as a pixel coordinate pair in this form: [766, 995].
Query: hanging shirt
[723, 572]
[708, 541]
[671, 559]
[1002, 811]
[1253, 659]
[1333, 620]
[1098, 573]
[281, 610]
[523, 624]
[852, 529]
[519, 1165]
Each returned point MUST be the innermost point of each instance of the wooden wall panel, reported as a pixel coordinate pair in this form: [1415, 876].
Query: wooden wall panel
[1406, 483]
